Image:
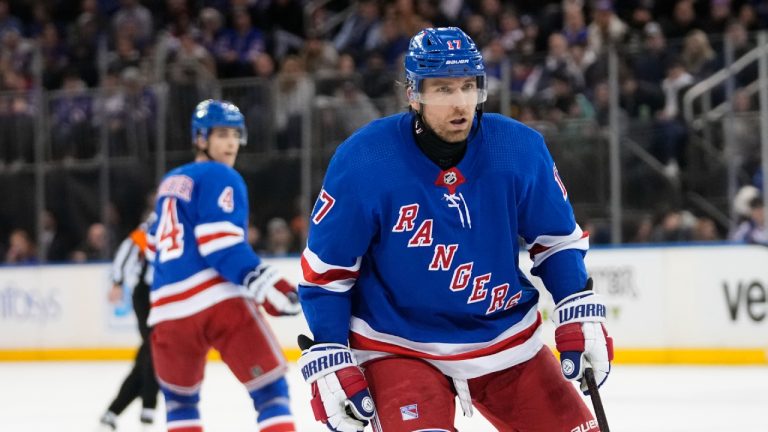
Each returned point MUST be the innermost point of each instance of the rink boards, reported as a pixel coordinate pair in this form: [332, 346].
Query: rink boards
[688, 304]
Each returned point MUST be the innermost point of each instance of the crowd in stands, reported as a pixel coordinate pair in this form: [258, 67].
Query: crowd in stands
[555, 50]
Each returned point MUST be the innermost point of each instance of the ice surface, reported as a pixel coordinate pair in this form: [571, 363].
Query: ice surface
[70, 397]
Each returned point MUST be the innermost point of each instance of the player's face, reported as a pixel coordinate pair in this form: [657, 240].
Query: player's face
[223, 144]
[448, 106]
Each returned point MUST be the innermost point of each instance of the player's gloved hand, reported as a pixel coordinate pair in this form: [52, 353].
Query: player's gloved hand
[275, 294]
[581, 337]
[340, 396]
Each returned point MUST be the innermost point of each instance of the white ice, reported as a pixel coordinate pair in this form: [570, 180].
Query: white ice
[70, 397]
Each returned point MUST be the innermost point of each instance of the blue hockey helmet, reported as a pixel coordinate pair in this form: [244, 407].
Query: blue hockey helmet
[443, 52]
[214, 113]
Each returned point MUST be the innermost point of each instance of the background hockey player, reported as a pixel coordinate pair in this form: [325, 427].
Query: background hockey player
[131, 268]
[412, 260]
[208, 281]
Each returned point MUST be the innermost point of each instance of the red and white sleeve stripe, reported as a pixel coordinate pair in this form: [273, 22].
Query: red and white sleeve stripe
[545, 246]
[215, 236]
[331, 277]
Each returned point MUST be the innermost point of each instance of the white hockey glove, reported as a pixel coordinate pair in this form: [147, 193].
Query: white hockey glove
[581, 337]
[271, 291]
[340, 396]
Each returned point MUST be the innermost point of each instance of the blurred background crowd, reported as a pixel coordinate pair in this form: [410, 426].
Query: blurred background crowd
[96, 95]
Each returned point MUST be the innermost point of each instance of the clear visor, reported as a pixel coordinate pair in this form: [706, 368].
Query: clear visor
[451, 96]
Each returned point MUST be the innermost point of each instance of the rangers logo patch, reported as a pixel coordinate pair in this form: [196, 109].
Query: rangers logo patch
[409, 412]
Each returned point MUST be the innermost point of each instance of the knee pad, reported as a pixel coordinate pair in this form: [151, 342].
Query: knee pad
[272, 400]
[180, 407]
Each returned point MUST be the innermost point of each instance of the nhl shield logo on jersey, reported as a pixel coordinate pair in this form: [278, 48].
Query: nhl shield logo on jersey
[449, 178]
[409, 412]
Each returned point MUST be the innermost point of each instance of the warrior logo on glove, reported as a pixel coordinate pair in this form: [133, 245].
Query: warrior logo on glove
[581, 337]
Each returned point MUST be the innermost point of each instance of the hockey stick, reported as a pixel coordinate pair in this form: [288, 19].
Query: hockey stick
[589, 375]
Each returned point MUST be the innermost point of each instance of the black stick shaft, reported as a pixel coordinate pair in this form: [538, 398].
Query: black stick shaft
[597, 403]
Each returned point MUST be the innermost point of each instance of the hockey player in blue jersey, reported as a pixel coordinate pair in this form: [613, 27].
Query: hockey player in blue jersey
[208, 282]
[412, 288]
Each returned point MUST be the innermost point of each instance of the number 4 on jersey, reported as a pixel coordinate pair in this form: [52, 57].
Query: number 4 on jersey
[170, 244]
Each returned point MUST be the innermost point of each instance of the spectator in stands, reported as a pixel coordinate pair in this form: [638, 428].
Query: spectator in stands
[190, 65]
[21, 248]
[574, 26]
[378, 79]
[511, 32]
[72, 133]
[255, 239]
[650, 64]
[389, 40]
[211, 27]
[671, 131]
[141, 108]
[16, 54]
[82, 42]
[698, 57]
[319, 55]
[8, 21]
[705, 229]
[682, 21]
[54, 56]
[643, 230]
[354, 34]
[719, 16]
[95, 246]
[640, 99]
[748, 17]
[744, 124]
[294, 92]
[737, 35]
[279, 238]
[477, 27]
[752, 230]
[674, 226]
[125, 55]
[17, 121]
[605, 28]
[54, 243]
[353, 108]
[134, 21]
[236, 47]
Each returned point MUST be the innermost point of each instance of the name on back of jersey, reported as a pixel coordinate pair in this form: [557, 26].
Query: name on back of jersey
[179, 186]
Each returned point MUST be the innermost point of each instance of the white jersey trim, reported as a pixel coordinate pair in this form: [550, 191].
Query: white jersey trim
[362, 328]
[215, 236]
[317, 272]
[263, 424]
[320, 266]
[551, 245]
[182, 285]
[212, 289]
[475, 367]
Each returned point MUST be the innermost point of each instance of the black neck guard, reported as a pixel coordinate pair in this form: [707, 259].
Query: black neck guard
[444, 154]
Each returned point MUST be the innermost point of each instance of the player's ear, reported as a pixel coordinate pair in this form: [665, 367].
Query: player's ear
[414, 104]
[201, 144]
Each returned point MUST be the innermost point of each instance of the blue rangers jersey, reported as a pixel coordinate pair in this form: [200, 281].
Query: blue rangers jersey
[199, 240]
[404, 258]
